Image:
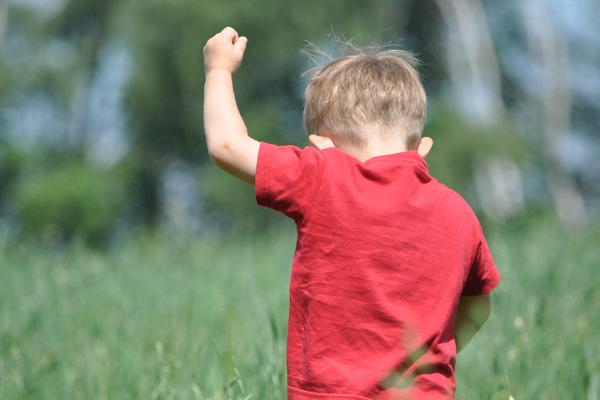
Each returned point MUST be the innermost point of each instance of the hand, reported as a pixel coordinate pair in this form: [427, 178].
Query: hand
[224, 51]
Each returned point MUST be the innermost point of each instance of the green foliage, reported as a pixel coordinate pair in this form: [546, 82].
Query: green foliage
[58, 56]
[71, 198]
[459, 147]
[12, 162]
[165, 94]
[206, 320]
[236, 200]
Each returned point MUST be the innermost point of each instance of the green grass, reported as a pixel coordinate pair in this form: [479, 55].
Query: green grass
[207, 320]
[543, 339]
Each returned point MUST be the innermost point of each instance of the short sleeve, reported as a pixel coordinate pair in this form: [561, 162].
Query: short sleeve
[287, 179]
[483, 275]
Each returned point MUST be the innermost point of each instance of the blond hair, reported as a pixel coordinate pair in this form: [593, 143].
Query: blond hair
[369, 94]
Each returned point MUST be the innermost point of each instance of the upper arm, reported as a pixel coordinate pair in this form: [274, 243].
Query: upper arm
[238, 157]
[475, 308]
[471, 314]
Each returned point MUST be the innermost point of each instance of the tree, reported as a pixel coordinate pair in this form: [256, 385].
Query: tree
[476, 78]
[548, 48]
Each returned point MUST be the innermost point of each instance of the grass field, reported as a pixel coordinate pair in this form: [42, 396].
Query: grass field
[206, 320]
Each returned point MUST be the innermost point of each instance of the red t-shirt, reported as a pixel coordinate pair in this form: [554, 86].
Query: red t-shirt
[383, 254]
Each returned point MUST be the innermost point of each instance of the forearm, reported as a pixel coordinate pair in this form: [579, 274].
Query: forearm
[229, 145]
[472, 313]
[223, 124]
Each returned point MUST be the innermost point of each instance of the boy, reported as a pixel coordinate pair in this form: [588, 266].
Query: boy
[391, 275]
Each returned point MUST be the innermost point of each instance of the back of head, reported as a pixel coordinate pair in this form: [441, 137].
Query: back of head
[367, 95]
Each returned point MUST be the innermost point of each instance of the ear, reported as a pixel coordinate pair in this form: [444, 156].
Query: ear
[320, 142]
[424, 146]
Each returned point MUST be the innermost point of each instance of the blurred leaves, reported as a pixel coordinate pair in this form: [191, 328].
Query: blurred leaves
[459, 146]
[57, 58]
[12, 162]
[70, 199]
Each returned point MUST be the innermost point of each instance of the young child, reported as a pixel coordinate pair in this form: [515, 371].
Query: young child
[392, 274]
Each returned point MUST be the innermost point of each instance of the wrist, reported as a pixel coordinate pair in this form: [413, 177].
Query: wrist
[218, 72]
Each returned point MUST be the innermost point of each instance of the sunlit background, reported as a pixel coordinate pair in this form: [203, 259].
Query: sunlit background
[104, 171]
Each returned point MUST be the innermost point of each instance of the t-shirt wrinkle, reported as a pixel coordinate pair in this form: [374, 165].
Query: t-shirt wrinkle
[269, 180]
[315, 201]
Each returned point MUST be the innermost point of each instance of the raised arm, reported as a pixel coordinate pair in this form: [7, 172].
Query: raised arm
[472, 313]
[227, 138]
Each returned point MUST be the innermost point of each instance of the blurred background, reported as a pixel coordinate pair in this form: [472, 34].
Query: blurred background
[133, 268]
[101, 132]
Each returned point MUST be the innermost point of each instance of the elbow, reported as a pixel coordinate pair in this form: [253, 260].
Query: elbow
[219, 153]
[224, 146]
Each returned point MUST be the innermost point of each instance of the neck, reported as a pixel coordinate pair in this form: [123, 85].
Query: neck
[363, 153]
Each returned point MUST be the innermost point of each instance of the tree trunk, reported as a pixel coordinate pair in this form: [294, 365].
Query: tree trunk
[3, 20]
[548, 48]
[475, 75]
[472, 60]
